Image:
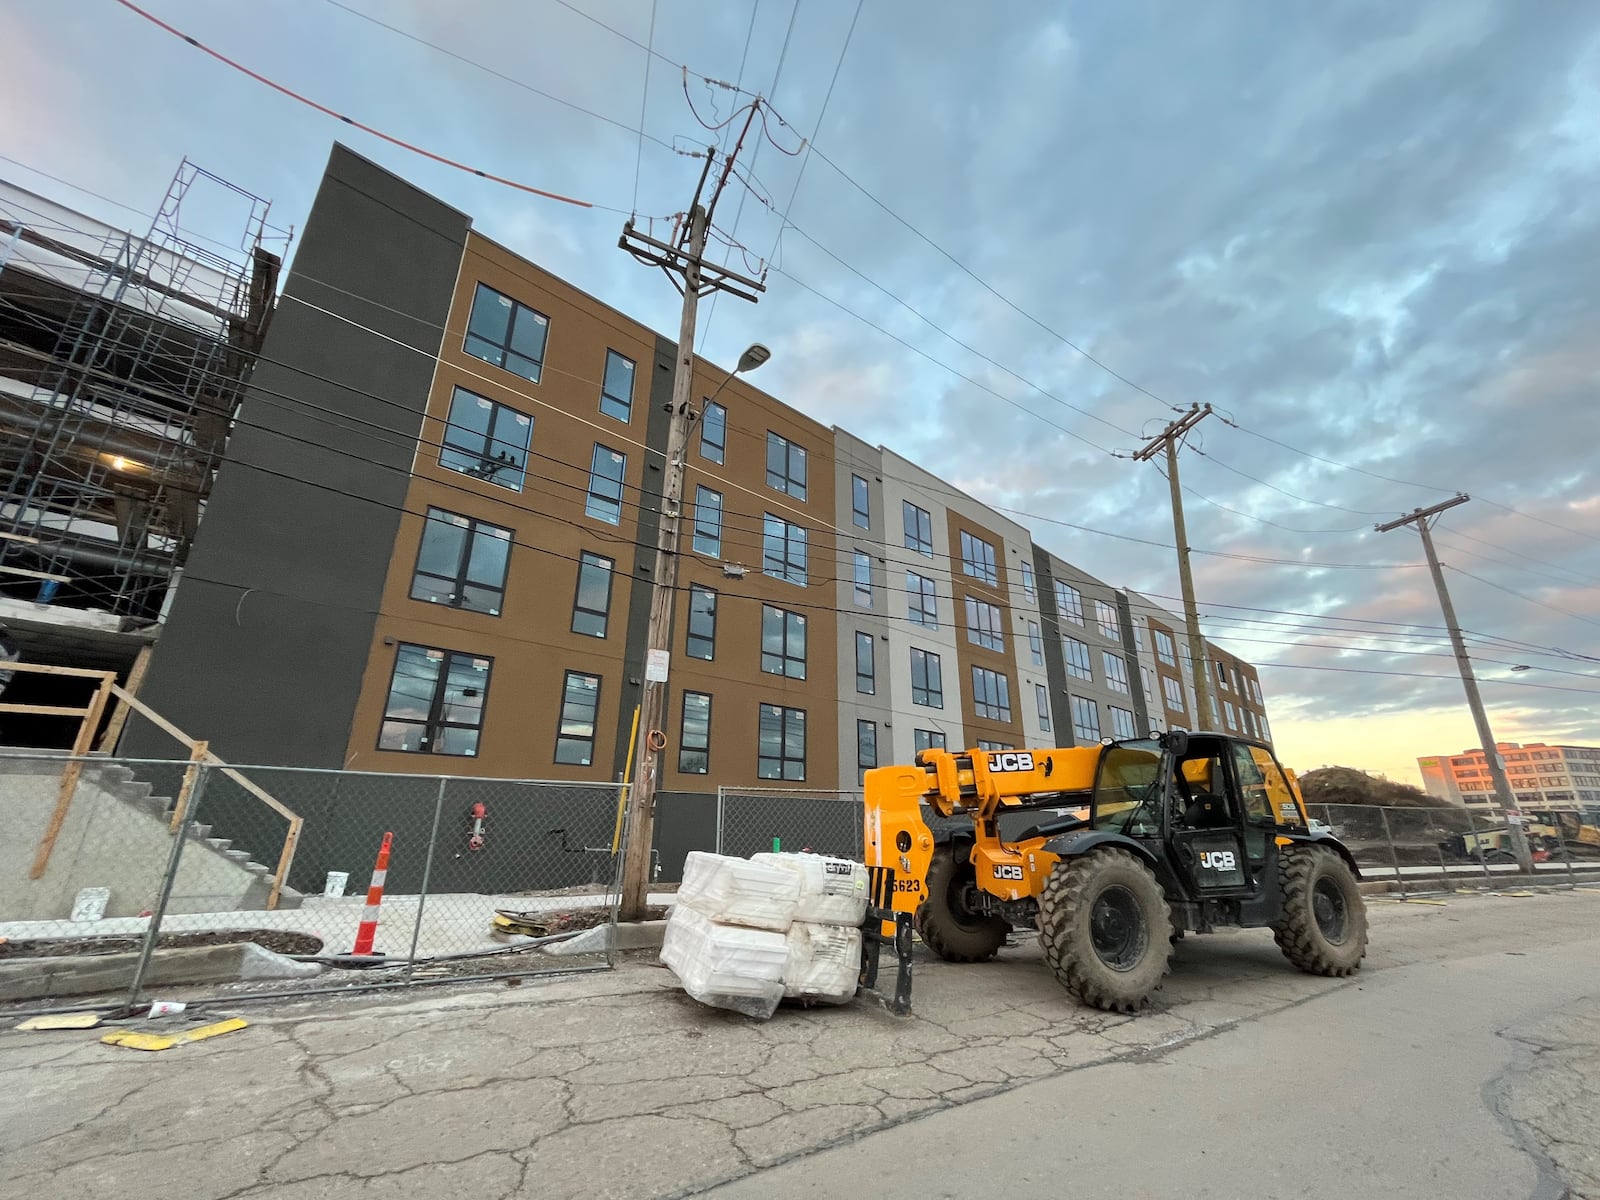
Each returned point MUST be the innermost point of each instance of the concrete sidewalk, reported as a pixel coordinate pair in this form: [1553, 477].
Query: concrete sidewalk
[618, 1085]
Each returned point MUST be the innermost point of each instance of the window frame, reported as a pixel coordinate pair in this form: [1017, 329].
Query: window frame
[684, 746]
[1111, 629]
[1041, 699]
[926, 737]
[562, 719]
[1030, 583]
[866, 640]
[862, 591]
[1079, 726]
[518, 308]
[624, 403]
[1070, 647]
[1035, 643]
[914, 515]
[926, 591]
[436, 719]
[784, 715]
[593, 499]
[1172, 694]
[790, 486]
[1116, 669]
[791, 626]
[690, 634]
[1169, 655]
[714, 415]
[932, 686]
[457, 438]
[988, 701]
[977, 559]
[985, 624]
[589, 559]
[472, 529]
[863, 751]
[1117, 723]
[860, 502]
[789, 536]
[1069, 602]
[700, 539]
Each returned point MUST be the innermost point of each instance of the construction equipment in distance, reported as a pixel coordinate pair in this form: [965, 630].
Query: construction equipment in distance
[1145, 840]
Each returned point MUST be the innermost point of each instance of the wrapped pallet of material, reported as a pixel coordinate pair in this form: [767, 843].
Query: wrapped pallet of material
[737, 891]
[824, 964]
[726, 966]
[833, 891]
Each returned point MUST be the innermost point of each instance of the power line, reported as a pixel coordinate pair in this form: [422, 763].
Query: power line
[1520, 596]
[644, 96]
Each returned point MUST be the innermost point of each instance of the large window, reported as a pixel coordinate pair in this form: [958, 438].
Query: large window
[863, 584]
[1105, 616]
[1165, 650]
[694, 742]
[1069, 603]
[486, 440]
[866, 665]
[1085, 720]
[992, 747]
[1035, 644]
[866, 748]
[922, 601]
[507, 334]
[977, 558]
[702, 636]
[983, 625]
[991, 694]
[435, 703]
[919, 528]
[1222, 672]
[616, 392]
[1041, 698]
[591, 607]
[714, 432]
[783, 642]
[1116, 671]
[1173, 691]
[580, 708]
[927, 739]
[786, 466]
[927, 679]
[606, 471]
[1030, 587]
[462, 562]
[860, 502]
[1079, 664]
[707, 521]
[781, 743]
[783, 550]
[1229, 717]
[1122, 725]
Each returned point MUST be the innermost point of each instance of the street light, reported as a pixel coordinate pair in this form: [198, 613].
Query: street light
[755, 354]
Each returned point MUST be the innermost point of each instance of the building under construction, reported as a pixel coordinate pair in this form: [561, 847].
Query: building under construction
[122, 359]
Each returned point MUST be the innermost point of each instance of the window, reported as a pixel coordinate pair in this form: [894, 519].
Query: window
[1174, 693]
[783, 550]
[927, 679]
[866, 667]
[1222, 673]
[591, 607]
[1148, 679]
[1138, 634]
[786, 466]
[1041, 698]
[983, 625]
[580, 705]
[781, 743]
[1122, 725]
[993, 747]
[462, 562]
[922, 601]
[435, 703]
[1035, 643]
[713, 432]
[1030, 587]
[991, 694]
[863, 589]
[783, 642]
[507, 334]
[616, 393]
[1069, 602]
[977, 559]
[1165, 650]
[866, 748]
[860, 502]
[927, 739]
[606, 470]
[486, 440]
[702, 636]
[1228, 715]
[1105, 616]
[1116, 671]
[919, 528]
[1085, 720]
[707, 521]
[1078, 661]
[694, 743]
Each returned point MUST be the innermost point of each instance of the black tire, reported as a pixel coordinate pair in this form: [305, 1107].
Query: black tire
[1105, 928]
[944, 924]
[1323, 927]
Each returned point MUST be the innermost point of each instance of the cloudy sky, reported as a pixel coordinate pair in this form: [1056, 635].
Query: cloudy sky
[1365, 230]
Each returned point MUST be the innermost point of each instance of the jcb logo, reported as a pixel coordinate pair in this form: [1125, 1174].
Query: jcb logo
[1011, 761]
[1218, 860]
[1007, 872]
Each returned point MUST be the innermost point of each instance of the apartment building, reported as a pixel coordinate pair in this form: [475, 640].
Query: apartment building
[1162, 648]
[1541, 776]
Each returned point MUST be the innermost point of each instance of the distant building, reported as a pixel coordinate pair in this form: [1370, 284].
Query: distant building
[1541, 776]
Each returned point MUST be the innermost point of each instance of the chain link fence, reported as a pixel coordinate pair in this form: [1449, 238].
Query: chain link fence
[750, 820]
[480, 872]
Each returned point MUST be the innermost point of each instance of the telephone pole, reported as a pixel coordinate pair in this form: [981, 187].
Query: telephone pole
[683, 261]
[1169, 438]
[1422, 518]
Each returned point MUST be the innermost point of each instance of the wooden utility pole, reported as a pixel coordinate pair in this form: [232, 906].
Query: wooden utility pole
[1422, 518]
[683, 259]
[1168, 438]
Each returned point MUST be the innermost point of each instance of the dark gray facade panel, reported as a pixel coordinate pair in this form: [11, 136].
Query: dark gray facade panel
[308, 501]
[1130, 646]
[1055, 666]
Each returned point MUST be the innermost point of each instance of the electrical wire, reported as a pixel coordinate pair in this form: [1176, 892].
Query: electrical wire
[644, 97]
[1520, 596]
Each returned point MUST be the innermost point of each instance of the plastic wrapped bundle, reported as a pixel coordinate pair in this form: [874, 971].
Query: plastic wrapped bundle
[726, 966]
[824, 963]
[736, 891]
[833, 891]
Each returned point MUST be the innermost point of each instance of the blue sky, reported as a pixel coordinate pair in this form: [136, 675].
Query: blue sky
[1364, 230]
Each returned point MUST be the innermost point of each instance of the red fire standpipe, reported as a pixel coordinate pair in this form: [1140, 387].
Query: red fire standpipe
[478, 813]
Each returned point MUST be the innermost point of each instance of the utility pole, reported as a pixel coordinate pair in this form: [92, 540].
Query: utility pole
[1422, 518]
[1169, 438]
[682, 259]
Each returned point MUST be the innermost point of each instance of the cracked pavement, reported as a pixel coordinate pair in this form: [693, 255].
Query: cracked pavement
[619, 1085]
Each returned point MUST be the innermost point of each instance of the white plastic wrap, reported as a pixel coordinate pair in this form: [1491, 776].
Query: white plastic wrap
[833, 891]
[736, 891]
[726, 966]
[824, 963]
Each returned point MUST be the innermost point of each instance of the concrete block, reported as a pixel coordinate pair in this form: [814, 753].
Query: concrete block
[86, 974]
[641, 935]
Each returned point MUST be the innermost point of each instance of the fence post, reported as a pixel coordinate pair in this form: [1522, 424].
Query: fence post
[427, 875]
[719, 817]
[197, 754]
[1566, 853]
[69, 780]
[1393, 857]
[174, 857]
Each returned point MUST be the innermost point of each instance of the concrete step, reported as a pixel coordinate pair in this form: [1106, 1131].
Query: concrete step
[220, 845]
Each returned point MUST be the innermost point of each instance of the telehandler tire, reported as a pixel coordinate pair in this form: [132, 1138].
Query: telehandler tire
[1105, 928]
[952, 933]
[1323, 929]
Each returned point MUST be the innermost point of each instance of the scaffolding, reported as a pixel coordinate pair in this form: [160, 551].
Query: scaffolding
[123, 358]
